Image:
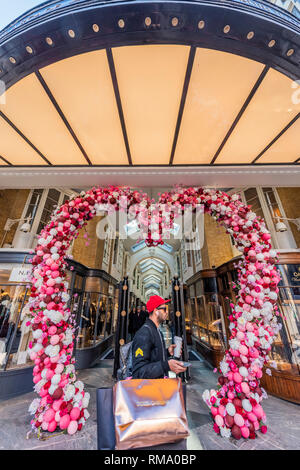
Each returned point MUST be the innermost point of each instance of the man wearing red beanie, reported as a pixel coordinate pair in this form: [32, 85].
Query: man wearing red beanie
[149, 353]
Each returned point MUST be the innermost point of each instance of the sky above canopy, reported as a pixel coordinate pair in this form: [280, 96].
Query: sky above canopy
[10, 10]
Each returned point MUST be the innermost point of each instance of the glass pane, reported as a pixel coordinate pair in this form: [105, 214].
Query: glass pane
[272, 204]
[15, 334]
[286, 349]
[33, 204]
[51, 201]
[253, 200]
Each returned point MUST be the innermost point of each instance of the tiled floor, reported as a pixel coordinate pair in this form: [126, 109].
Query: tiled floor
[283, 418]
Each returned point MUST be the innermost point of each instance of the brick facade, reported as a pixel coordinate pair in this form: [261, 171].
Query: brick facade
[92, 254]
[290, 200]
[217, 247]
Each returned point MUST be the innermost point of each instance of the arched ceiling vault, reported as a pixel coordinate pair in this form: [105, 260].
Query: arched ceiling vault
[144, 88]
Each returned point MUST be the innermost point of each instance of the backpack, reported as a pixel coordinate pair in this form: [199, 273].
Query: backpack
[125, 370]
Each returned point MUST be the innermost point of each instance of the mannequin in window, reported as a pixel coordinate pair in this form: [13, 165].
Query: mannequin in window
[84, 323]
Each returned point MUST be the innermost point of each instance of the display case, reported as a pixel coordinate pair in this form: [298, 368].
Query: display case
[284, 362]
[204, 315]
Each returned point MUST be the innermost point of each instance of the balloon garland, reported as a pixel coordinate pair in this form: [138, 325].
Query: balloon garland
[235, 406]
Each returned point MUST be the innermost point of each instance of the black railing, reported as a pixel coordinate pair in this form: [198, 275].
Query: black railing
[178, 319]
[122, 336]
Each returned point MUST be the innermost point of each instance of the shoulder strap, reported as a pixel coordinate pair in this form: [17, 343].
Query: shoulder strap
[147, 326]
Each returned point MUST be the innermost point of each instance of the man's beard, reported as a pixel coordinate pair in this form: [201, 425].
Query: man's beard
[161, 318]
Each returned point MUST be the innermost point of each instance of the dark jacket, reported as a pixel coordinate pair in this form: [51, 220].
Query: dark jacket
[136, 321]
[149, 353]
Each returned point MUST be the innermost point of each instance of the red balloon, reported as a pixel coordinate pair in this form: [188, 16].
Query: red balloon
[236, 432]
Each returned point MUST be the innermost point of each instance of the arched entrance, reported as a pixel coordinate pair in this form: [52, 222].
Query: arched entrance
[253, 320]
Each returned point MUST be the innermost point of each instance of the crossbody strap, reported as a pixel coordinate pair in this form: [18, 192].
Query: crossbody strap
[162, 344]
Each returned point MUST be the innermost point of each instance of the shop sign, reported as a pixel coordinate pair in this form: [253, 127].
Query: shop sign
[20, 274]
[293, 275]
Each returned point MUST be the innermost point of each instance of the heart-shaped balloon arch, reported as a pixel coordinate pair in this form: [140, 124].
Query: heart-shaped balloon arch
[235, 406]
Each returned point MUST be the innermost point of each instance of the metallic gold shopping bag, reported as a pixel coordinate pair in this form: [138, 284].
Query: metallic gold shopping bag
[149, 412]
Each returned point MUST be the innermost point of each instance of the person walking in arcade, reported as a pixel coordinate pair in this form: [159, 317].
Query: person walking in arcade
[149, 353]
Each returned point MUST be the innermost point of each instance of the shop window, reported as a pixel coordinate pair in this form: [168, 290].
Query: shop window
[252, 199]
[33, 204]
[272, 204]
[51, 201]
[14, 314]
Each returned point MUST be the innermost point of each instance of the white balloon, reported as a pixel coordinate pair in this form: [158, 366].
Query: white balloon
[243, 371]
[246, 405]
[230, 408]
[56, 379]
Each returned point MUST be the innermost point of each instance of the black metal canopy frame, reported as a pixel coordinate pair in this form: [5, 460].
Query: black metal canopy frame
[55, 30]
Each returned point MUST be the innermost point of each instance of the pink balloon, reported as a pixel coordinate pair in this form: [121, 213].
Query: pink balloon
[234, 352]
[245, 432]
[245, 388]
[54, 359]
[253, 352]
[54, 340]
[64, 422]
[243, 350]
[49, 290]
[251, 416]
[52, 330]
[59, 368]
[75, 413]
[219, 420]
[256, 425]
[56, 404]
[37, 378]
[237, 377]
[230, 395]
[240, 335]
[52, 426]
[230, 375]
[214, 411]
[43, 392]
[72, 428]
[45, 425]
[221, 410]
[239, 420]
[44, 401]
[49, 415]
[258, 411]
[49, 374]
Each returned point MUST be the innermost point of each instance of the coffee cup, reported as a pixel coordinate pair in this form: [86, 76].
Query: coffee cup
[178, 345]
